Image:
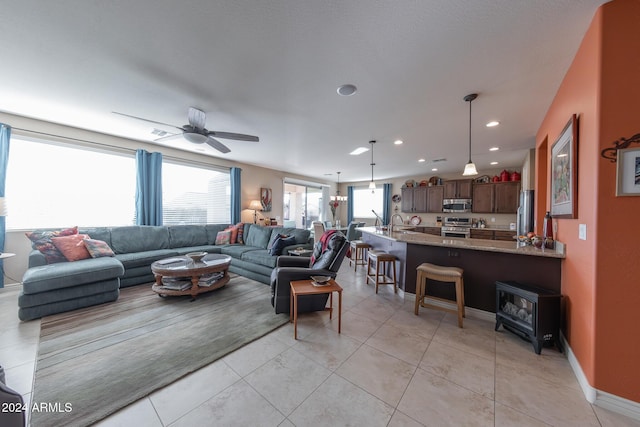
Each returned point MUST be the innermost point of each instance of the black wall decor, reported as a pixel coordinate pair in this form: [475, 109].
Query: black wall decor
[622, 143]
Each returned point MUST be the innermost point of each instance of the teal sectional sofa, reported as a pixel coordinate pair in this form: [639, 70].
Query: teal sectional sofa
[58, 287]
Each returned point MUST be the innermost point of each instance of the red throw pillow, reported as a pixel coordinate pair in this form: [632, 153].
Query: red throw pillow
[234, 233]
[72, 246]
[240, 237]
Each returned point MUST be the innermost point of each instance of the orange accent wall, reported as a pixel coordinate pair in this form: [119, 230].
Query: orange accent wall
[601, 275]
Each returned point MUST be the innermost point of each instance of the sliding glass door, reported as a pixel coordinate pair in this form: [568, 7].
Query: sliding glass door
[302, 205]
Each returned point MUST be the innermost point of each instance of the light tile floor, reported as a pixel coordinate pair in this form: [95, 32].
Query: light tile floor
[387, 368]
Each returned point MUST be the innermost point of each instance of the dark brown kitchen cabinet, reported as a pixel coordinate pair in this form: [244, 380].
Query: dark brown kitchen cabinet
[506, 197]
[414, 199]
[435, 195]
[499, 197]
[483, 195]
[508, 236]
[457, 189]
[481, 234]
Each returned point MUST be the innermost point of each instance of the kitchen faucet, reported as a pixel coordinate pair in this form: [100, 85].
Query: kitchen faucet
[393, 217]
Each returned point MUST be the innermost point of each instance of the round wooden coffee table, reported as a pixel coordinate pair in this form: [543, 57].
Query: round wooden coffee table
[183, 266]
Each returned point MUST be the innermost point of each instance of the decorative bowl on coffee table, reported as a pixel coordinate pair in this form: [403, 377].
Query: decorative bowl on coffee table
[196, 256]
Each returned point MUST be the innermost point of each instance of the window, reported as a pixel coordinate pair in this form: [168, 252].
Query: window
[364, 202]
[52, 185]
[194, 194]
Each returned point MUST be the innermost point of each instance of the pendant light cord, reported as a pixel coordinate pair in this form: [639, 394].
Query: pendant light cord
[471, 100]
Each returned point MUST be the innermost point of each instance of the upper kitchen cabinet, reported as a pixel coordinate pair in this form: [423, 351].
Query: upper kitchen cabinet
[414, 199]
[457, 189]
[435, 195]
[499, 197]
[507, 195]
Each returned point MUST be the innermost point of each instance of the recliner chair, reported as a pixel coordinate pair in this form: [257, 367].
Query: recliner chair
[10, 400]
[328, 253]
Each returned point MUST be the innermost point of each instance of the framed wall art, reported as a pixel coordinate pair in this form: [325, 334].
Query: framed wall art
[564, 162]
[628, 172]
[265, 199]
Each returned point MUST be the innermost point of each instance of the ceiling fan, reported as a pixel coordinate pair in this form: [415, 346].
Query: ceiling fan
[196, 132]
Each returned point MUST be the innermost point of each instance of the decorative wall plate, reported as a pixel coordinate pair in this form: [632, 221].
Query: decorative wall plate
[396, 198]
[416, 220]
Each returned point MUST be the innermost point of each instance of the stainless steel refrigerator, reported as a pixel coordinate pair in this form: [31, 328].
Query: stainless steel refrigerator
[525, 212]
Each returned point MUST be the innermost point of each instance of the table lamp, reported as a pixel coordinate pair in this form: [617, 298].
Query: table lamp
[256, 206]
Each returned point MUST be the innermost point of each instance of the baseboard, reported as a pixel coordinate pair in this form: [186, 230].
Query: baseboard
[469, 311]
[597, 397]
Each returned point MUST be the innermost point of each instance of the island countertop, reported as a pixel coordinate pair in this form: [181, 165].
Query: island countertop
[416, 238]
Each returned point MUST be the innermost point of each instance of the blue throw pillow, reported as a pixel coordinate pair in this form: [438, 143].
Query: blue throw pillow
[280, 243]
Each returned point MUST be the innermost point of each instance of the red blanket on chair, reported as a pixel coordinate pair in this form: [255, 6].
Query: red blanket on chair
[324, 240]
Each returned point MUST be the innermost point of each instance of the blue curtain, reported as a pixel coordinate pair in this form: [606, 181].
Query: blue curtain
[349, 204]
[5, 136]
[386, 203]
[236, 195]
[148, 188]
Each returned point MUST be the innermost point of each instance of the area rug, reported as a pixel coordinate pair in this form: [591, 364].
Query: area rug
[95, 361]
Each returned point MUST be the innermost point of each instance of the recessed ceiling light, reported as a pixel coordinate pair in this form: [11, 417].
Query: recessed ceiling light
[492, 124]
[494, 148]
[493, 163]
[347, 90]
[359, 150]
[421, 160]
[434, 170]
[398, 141]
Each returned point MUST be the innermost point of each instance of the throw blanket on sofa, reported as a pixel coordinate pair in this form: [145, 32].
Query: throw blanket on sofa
[324, 241]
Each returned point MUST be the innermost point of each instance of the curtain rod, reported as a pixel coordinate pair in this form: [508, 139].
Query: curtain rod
[113, 147]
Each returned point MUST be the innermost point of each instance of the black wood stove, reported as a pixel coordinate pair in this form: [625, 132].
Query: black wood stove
[530, 312]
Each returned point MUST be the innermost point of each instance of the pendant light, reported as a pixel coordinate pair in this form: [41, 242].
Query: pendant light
[470, 167]
[372, 184]
[338, 197]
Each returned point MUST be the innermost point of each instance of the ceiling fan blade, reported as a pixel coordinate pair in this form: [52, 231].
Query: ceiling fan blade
[218, 145]
[197, 118]
[146, 120]
[236, 136]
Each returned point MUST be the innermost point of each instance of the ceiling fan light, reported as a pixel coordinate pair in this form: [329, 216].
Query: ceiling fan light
[470, 169]
[196, 138]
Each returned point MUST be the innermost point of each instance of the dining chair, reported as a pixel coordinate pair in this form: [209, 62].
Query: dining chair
[327, 225]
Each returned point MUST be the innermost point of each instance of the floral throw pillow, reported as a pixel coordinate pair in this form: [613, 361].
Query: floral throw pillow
[41, 240]
[223, 237]
[234, 233]
[97, 248]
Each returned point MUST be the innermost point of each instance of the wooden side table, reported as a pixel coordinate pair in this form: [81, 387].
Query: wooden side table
[306, 287]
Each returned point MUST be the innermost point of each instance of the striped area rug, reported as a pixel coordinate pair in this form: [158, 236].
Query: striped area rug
[94, 361]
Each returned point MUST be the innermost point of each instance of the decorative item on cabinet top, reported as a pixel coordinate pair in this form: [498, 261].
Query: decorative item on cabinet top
[505, 176]
[482, 179]
[434, 180]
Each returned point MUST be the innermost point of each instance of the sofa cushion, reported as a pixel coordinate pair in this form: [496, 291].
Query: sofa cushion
[260, 257]
[204, 248]
[138, 259]
[258, 236]
[181, 236]
[73, 292]
[72, 247]
[236, 251]
[97, 248]
[280, 243]
[41, 240]
[63, 275]
[223, 237]
[98, 233]
[139, 238]
[212, 231]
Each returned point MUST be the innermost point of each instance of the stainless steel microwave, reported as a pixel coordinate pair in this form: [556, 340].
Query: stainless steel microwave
[456, 205]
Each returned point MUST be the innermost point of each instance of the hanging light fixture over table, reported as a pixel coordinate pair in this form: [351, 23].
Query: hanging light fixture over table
[372, 184]
[338, 198]
[470, 167]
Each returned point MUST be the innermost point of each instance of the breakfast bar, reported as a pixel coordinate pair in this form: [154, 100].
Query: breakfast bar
[484, 262]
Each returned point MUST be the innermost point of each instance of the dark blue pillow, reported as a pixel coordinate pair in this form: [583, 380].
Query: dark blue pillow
[280, 243]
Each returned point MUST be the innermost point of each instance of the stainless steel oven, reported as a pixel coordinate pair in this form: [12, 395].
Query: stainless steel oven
[456, 227]
[456, 205]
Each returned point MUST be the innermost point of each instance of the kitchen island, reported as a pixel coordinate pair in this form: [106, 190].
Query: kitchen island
[484, 262]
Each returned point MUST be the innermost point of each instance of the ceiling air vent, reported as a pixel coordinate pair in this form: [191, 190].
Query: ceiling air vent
[159, 132]
[442, 159]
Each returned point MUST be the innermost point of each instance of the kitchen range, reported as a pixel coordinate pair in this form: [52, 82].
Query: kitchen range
[456, 227]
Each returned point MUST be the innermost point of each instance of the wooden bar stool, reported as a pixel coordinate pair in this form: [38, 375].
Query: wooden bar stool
[359, 251]
[383, 262]
[442, 274]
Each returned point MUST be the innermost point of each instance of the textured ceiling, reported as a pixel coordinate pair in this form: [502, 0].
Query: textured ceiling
[271, 68]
